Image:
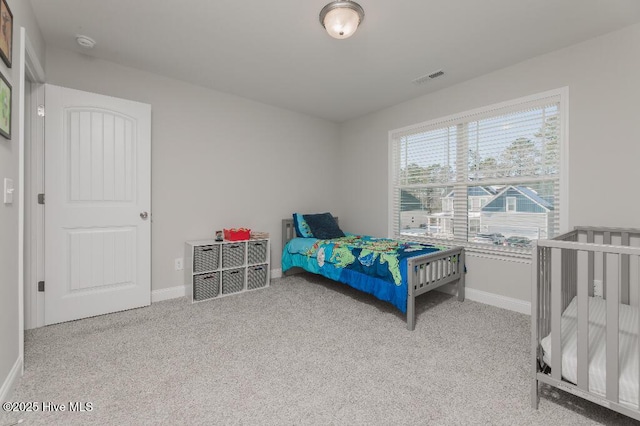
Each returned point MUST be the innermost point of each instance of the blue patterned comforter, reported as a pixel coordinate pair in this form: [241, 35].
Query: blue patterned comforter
[377, 266]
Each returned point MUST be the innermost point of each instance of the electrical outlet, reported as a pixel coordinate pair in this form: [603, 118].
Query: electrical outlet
[598, 288]
[179, 264]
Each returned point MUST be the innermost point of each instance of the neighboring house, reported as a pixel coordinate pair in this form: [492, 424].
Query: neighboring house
[412, 212]
[478, 197]
[413, 215]
[518, 211]
[511, 211]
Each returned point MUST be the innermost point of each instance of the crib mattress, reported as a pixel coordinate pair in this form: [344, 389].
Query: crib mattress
[628, 344]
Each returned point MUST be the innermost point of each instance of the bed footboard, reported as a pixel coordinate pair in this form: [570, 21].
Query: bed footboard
[430, 271]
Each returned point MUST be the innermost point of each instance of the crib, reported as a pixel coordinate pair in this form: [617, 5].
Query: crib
[584, 306]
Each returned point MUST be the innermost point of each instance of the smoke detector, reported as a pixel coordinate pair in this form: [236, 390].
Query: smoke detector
[84, 41]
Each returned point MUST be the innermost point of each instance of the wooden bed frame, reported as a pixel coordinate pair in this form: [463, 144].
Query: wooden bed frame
[563, 268]
[430, 271]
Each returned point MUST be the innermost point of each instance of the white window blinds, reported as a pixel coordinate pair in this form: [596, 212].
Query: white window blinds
[490, 178]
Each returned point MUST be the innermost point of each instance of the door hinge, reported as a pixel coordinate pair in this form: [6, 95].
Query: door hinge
[40, 110]
[40, 198]
[40, 285]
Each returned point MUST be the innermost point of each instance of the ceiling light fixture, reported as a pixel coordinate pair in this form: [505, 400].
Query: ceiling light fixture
[84, 41]
[341, 18]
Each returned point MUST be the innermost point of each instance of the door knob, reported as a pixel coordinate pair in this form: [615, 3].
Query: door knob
[144, 215]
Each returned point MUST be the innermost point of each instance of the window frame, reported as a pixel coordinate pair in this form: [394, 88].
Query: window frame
[508, 203]
[562, 95]
[477, 226]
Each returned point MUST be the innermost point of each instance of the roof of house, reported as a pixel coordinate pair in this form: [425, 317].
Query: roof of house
[527, 200]
[409, 202]
[476, 191]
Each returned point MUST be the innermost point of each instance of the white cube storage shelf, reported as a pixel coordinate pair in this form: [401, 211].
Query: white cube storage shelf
[215, 269]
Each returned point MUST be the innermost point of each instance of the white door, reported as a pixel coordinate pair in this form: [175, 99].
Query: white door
[97, 204]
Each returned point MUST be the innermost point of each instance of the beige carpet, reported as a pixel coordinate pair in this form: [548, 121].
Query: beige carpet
[304, 351]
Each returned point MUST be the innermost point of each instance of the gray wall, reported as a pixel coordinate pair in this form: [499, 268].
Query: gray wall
[217, 160]
[602, 76]
[9, 161]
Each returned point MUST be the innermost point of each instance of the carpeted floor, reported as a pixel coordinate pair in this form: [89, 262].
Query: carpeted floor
[304, 351]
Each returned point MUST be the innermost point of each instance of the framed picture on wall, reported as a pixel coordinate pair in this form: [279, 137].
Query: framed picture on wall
[6, 33]
[5, 107]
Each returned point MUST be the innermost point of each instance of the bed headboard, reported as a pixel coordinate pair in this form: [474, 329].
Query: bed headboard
[289, 231]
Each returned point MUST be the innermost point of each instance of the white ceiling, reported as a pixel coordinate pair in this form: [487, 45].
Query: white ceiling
[278, 53]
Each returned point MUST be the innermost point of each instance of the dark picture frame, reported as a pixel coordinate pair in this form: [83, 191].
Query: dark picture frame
[5, 107]
[6, 33]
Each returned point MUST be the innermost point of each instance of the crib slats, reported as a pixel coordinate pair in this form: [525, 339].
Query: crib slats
[590, 263]
[583, 322]
[606, 240]
[547, 290]
[556, 314]
[624, 272]
[535, 329]
[613, 299]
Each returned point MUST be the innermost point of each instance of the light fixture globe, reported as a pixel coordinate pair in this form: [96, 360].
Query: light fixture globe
[341, 18]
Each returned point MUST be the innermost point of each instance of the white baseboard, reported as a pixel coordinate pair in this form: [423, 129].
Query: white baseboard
[276, 273]
[492, 299]
[11, 381]
[168, 293]
[480, 296]
[181, 290]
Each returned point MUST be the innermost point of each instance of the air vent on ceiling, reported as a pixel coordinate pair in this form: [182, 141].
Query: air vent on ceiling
[425, 78]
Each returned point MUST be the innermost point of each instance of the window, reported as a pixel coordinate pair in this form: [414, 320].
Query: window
[470, 172]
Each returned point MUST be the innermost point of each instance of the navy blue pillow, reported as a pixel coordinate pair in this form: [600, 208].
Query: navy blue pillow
[323, 226]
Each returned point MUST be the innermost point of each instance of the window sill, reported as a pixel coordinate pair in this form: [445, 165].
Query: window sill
[509, 255]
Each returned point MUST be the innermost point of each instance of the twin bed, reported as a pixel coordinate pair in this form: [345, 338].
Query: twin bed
[394, 271]
[585, 298]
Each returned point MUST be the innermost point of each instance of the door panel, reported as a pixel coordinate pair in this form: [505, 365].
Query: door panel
[101, 258]
[97, 182]
[101, 149]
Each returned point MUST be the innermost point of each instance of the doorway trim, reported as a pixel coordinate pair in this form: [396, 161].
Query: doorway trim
[31, 69]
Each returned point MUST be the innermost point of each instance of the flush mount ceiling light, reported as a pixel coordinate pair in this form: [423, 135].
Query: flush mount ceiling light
[341, 18]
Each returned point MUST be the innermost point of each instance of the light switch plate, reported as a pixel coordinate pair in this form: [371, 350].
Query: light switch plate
[8, 191]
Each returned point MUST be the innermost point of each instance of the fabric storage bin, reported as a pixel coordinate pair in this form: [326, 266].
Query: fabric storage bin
[233, 255]
[206, 286]
[257, 252]
[206, 258]
[232, 281]
[257, 276]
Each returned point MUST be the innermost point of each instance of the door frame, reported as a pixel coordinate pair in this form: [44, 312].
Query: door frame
[29, 69]
[34, 213]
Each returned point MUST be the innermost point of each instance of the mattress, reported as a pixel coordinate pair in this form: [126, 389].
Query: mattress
[628, 349]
